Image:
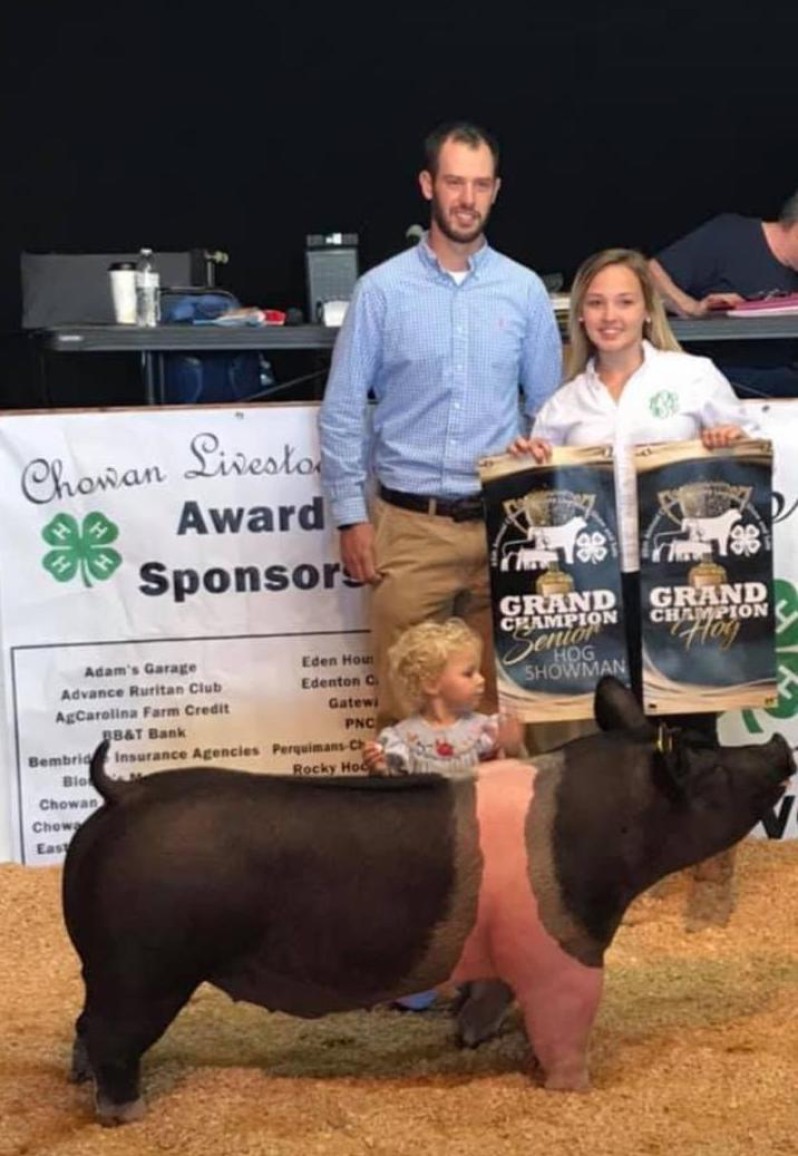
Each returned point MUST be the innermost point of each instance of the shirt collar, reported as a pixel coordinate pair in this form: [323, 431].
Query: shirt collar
[649, 353]
[475, 262]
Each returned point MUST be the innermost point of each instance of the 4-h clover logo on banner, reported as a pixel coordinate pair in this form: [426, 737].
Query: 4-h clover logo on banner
[83, 549]
[786, 610]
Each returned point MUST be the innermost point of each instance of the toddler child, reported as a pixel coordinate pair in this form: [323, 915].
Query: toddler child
[434, 667]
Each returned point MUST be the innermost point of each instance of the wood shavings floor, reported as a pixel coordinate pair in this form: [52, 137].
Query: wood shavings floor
[695, 1052]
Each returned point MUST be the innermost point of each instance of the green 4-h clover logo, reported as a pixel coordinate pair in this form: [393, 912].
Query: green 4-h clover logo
[664, 403]
[81, 548]
[786, 605]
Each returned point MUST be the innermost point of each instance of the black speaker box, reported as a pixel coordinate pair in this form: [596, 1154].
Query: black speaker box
[331, 269]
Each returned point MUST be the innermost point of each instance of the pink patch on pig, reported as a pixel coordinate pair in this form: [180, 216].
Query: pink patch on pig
[558, 995]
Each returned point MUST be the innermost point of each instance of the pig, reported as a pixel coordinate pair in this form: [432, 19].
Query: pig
[310, 897]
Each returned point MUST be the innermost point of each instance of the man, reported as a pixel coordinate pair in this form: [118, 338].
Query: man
[726, 260]
[459, 347]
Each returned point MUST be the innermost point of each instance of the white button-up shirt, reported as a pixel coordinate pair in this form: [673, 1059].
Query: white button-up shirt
[671, 397]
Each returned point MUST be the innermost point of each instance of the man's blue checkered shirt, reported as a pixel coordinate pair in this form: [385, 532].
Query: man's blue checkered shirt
[456, 372]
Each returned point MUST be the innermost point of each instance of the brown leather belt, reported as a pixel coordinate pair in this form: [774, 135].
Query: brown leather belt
[468, 509]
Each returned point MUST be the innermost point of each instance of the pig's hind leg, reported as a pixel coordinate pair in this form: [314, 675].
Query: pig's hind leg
[112, 1035]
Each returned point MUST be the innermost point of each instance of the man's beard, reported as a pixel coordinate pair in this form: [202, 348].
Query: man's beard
[460, 236]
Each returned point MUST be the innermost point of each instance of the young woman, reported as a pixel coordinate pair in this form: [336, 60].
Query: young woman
[629, 383]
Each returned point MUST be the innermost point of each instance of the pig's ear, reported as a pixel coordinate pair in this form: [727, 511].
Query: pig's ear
[616, 708]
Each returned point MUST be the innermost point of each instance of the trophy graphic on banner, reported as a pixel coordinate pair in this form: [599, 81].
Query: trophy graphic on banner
[708, 513]
[550, 524]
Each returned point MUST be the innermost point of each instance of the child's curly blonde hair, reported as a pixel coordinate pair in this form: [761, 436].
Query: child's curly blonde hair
[419, 656]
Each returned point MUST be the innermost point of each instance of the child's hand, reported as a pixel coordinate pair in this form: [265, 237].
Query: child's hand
[374, 758]
[510, 736]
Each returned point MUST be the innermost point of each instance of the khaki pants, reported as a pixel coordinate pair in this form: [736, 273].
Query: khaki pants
[432, 568]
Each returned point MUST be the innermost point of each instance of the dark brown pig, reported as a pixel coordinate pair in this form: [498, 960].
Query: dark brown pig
[311, 898]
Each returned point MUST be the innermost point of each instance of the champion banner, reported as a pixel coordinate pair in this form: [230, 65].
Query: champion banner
[555, 580]
[706, 576]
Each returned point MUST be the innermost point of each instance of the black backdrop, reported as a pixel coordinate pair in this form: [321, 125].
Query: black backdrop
[243, 127]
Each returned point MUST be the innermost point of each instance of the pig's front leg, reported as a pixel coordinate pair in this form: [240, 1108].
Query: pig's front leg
[710, 899]
[558, 1016]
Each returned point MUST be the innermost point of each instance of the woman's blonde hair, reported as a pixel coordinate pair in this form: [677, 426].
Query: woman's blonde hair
[656, 329]
[419, 656]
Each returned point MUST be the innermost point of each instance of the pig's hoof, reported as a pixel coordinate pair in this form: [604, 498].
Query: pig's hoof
[568, 1081]
[481, 1012]
[109, 1115]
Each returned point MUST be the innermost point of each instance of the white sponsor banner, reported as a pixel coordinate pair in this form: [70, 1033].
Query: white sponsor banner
[170, 582]
[169, 579]
[779, 422]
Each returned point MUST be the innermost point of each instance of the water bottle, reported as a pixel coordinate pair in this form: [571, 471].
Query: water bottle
[148, 304]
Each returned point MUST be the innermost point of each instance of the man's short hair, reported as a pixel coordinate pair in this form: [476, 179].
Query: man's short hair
[464, 132]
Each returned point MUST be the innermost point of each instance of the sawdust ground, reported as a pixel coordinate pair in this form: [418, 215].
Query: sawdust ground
[694, 1053]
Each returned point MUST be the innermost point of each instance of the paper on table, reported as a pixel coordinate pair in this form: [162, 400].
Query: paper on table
[767, 307]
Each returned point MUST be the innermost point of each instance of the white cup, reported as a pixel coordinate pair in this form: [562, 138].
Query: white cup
[123, 291]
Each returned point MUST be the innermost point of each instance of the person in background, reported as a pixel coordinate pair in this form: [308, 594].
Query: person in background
[628, 383]
[459, 347]
[434, 670]
[729, 259]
